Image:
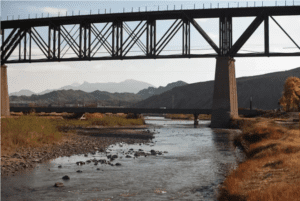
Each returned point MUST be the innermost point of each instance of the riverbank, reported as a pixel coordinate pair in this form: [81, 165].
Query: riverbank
[37, 140]
[272, 168]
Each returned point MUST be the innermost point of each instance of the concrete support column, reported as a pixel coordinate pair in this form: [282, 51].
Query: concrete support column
[225, 102]
[4, 92]
[196, 119]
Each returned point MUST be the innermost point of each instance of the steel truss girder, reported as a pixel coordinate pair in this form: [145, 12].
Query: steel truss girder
[111, 37]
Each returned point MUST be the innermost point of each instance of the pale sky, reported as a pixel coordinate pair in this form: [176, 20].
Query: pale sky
[38, 77]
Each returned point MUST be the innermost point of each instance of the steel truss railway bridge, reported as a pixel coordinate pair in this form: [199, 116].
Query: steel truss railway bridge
[89, 39]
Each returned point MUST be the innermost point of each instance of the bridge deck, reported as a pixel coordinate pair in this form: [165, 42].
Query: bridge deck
[121, 110]
[157, 15]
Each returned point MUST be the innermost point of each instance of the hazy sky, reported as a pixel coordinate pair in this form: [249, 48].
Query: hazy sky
[40, 76]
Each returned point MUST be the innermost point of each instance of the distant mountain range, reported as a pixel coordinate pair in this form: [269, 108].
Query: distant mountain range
[62, 97]
[70, 96]
[150, 91]
[265, 91]
[129, 86]
[23, 92]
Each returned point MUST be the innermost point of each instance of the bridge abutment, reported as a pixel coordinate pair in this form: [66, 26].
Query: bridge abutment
[4, 92]
[225, 102]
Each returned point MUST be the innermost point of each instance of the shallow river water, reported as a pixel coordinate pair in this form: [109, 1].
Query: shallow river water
[196, 162]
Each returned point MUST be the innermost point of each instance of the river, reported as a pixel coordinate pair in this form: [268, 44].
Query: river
[196, 162]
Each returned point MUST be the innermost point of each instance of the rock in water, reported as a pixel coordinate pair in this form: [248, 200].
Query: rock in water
[66, 177]
[58, 184]
[79, 171]
[118, 164]
[59, 166]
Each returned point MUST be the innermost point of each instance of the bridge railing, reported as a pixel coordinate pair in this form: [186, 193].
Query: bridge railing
[202, 5]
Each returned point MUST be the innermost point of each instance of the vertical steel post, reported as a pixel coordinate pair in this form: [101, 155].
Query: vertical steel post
[154, 37]
[220, 35]
[89, 39]
[183, 37]
[225, 34]
[113, 39]
[117, 38]
[84, 40]
[20, 46]
[80, 40]
[121, 38]
[189, 37]
[25, 45]
[147, 38]
[54, 41]
[151, 38]
[30, 37]
[58, 44]
[49, 42]
[267, 40]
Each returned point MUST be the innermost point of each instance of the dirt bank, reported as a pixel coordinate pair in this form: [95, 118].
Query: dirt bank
[79, 141]
[272, 168]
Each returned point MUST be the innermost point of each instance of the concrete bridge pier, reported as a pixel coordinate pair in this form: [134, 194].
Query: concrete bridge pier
[4, 92]
[196, 119]
[225, 102]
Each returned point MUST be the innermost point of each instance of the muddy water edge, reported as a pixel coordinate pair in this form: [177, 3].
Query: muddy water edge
[181, 162]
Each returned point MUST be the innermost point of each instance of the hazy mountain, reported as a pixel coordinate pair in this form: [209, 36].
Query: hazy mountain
[130, 86]
[150, 91]
[265, 90]
[75, 84]
[45, 92]
[23, 92]
[70, 96]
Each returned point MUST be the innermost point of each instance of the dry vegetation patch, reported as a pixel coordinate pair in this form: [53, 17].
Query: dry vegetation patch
[27, 131]
[272, 170]
[36, 130]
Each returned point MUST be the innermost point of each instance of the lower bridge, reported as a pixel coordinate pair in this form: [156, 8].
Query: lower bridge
[82, 110]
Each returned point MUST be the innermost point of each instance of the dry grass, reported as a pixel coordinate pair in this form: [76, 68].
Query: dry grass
[94, 115]
[34, 130]
[27, 131]
[105, 120]
[272, 171]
